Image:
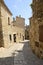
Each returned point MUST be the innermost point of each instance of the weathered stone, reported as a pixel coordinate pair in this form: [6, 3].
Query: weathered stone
[36, 27]
[10, 31]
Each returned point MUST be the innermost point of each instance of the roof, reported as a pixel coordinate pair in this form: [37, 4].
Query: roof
[6, 6]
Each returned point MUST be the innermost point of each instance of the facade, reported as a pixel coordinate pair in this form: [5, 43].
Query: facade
[7, 29]
[36, 28]
[19, 28]
[27, 32]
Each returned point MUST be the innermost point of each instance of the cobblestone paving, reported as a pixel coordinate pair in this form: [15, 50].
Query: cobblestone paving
[7, 61]
[26, 57]
[22, 56]
[30, 58]
[19, 59]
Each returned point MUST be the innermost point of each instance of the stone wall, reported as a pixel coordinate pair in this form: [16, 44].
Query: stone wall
[19, 28]
[1, 33]
[5, 27]
[36, 30]
[27, 32]
[8, 28]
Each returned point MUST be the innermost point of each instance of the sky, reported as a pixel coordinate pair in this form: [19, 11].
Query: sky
[20, 7]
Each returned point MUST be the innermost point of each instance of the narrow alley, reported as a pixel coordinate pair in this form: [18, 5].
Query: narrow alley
[21, 55]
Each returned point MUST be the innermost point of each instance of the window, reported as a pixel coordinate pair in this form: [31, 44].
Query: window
[10, 37]
[8, 21]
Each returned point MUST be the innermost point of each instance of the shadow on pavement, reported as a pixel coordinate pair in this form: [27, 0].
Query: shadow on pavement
[30, 58]
[22, 57]
[7, 61]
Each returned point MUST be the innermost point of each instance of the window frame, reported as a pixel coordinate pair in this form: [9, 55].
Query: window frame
[8, 20]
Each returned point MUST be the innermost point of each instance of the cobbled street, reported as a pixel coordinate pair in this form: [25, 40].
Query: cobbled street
[21, 55]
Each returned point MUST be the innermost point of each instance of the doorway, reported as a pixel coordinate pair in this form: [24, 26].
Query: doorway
[23, 38]
[14, 37]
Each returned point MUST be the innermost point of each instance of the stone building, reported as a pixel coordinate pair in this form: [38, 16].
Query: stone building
[19, 28]
[9, 30]
[27, 32]
[36, 28]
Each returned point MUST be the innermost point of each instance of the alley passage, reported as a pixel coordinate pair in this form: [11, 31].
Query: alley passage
[24, 56]
[21, 55]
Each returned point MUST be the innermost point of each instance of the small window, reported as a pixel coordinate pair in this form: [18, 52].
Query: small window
[8, 21]
[10, 37]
